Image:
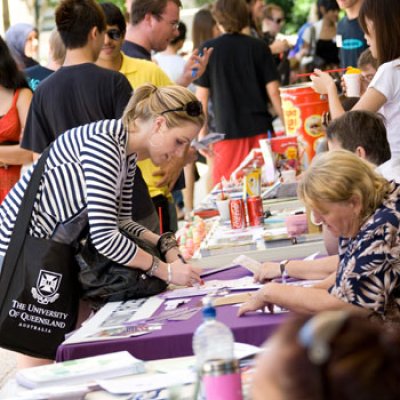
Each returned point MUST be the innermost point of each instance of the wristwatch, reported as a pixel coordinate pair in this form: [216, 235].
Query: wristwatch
[166, 242]
[282, 268]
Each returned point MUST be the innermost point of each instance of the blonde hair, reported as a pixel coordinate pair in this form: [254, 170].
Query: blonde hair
[57, 47]
[149, 101]
[337, 176]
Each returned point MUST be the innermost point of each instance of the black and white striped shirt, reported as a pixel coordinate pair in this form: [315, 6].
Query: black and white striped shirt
[87, 169]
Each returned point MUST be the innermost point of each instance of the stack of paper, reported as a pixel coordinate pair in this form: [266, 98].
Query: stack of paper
[79, 371]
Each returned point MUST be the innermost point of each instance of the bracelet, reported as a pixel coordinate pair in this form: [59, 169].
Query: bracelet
[169, 269]
[166, 242]
[282, 267]
[154, 266]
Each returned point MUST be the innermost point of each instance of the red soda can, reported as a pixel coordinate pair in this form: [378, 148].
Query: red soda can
[237, 213]
[255, 211]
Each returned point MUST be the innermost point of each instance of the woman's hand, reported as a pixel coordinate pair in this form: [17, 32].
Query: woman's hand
[267, 271]
[172, 254]
[322, 81]
[184, 274]
[257, 301]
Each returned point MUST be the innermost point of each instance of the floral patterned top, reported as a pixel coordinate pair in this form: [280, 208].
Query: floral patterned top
[369, 265]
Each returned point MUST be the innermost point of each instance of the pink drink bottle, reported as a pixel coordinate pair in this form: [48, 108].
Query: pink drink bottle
[221, 380]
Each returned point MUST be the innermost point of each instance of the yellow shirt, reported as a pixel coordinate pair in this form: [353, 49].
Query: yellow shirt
[138, 72]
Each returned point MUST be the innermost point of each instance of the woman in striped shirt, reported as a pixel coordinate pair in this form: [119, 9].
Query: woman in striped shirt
[88, 177]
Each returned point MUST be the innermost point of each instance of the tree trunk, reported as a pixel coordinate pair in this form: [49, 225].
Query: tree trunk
[6, 15]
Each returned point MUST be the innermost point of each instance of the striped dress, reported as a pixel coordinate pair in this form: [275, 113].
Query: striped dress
[87, 170]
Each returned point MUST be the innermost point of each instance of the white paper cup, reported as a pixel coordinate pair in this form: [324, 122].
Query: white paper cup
[352, 82]
[223, 209]
[288, 176]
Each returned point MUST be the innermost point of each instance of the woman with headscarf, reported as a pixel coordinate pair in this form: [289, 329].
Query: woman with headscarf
[22, 40]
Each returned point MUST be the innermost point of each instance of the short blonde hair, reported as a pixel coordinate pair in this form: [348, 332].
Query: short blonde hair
[337, 176]
[57, 47]
[149, 101]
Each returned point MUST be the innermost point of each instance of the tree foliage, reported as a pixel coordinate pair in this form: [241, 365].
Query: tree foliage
[119, 3]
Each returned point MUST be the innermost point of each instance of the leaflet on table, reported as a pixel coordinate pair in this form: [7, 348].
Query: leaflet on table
[211, 138]
[248, 263]
[83, 370]
[210, 271]
[116, 315]
[214, 287]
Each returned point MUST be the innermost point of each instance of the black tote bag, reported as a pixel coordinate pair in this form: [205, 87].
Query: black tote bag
[103, 280]
[39, 290]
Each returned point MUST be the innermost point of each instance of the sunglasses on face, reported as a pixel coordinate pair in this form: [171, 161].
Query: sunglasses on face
[326, 118]
[114, 34]
[193, 109]
[277, 21]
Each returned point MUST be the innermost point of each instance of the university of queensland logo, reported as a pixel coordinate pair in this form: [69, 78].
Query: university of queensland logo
[47, 286]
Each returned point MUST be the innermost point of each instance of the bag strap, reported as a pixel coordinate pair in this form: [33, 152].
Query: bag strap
[21, 225]
[313, 44]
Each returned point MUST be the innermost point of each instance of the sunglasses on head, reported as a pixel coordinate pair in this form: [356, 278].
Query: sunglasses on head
[193, 109]
[277, 21]
[114, 34]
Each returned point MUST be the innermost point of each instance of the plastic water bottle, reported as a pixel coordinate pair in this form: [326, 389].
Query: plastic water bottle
[213, 347]
[212, 340]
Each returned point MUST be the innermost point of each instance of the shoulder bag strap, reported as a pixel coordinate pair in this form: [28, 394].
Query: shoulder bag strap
[21, 224]
[313, 40]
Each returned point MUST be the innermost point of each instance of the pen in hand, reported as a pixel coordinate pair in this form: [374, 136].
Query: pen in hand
[195, 70]
[180, 256]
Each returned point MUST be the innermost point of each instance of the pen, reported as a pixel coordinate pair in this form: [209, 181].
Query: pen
[180, 256]
[195, 70]
[284, 274]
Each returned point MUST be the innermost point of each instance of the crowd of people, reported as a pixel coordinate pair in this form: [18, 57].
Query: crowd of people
[120, 105]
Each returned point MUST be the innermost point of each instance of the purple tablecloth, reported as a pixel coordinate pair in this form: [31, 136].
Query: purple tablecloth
[175, 338]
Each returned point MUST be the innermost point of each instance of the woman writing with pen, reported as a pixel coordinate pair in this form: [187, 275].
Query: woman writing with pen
[88, 180]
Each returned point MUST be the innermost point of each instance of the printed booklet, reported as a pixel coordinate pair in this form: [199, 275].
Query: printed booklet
[82, 370]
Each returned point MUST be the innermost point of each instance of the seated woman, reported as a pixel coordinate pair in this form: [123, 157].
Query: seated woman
[362, 209]
[334, 355]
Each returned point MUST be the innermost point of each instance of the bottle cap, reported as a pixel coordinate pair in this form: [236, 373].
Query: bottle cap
[208, 308]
